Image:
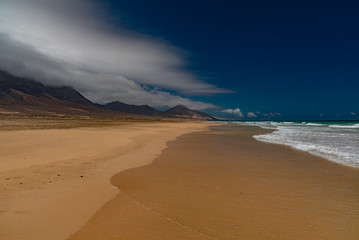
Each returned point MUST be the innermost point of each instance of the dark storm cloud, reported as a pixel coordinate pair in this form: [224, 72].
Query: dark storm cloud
[70, 42]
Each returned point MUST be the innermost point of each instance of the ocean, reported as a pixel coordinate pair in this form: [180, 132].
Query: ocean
[336, 141]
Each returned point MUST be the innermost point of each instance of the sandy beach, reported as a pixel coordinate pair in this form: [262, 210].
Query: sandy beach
[223, 184]
[183, 180]
[179, 120]
[53, 180]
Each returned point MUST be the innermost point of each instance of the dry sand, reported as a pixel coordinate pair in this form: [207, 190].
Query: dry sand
[225, 185]
[53, 181]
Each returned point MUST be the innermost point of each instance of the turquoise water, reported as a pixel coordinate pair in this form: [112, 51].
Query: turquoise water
[337, 141]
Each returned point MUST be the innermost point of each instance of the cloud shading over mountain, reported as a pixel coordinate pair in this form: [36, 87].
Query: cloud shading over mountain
[26, 97]
[73, 43]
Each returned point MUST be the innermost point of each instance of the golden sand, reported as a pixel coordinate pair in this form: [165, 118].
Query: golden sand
[223, 184]
[53, 181]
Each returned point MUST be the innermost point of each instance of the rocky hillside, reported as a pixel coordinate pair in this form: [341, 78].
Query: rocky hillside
[22, 96]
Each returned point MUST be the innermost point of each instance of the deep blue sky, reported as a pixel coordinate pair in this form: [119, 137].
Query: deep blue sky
[296, 58]
[293, 59]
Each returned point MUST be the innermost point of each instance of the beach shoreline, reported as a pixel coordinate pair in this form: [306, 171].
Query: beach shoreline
[54, 179]
[224, 184]
[195, 180]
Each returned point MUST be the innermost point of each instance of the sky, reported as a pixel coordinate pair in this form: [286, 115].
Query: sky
[249, 60]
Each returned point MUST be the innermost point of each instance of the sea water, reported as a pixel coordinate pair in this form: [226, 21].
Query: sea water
[336, 141]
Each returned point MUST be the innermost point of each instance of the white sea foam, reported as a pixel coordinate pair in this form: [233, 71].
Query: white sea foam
[337, 142]
[344, 126]
[313, 124]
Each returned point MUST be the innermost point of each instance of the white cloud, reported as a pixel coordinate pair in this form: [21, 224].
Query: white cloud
[235, 111]
[71, 42]
[251, 115]
[353, 113]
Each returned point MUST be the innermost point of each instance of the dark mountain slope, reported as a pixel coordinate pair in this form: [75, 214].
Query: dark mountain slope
[175, 112]
[181, 111]
[9, 83]
[133, 109]
[27, 97]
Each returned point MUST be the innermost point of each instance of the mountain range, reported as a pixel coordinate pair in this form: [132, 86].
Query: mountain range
[27, 97]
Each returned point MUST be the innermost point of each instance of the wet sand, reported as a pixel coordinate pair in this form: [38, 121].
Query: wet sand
[53, 180]
[223, 184]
